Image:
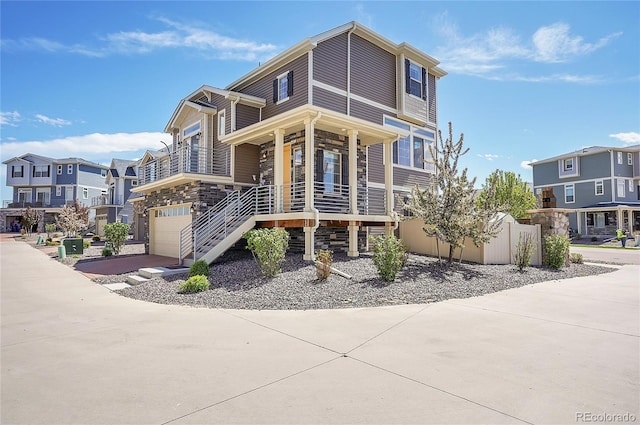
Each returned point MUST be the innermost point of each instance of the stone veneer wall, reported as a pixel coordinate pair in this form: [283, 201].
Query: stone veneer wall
[203, 195]
[552, 221]
[335, 239]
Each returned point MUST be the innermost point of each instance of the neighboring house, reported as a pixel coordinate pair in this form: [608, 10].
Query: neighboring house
[601, 183]
[242, 156]
[48, 184]
[113, 206]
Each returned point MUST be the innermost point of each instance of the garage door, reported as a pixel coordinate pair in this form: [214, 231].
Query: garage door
[164, 229]
[101, 221]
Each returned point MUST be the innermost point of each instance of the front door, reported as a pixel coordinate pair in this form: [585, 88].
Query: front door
[286, 177]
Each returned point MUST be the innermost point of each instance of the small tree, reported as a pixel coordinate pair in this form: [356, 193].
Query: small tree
[556, 251]
[510, 192]
[524, 250]
[50, 229]
[447, 204]
[29, 219]
[115, 235]
[388, 256]
[72, 218]
[268, 247]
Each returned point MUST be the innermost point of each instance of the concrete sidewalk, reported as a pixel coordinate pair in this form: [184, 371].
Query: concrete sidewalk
[74, 352]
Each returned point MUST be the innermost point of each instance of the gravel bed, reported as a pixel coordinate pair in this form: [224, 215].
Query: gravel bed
[94, 252]
[237, 284]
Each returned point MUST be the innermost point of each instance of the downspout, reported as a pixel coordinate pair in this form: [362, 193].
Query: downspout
[233, 113]
[355, 25]
[613, 184]
[316, 213]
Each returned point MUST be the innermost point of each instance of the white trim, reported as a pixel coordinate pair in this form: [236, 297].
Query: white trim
[573, 187]
[619, 155]
[58, 191]
[573, 182]
[629, 158]
[395, 187]
[85, 195]
[70, 167]
[310, 76]
[185, 136]
[278, 78]
[59, 169]
[620, 183]
[595, 187]
[222, 114]
[630, 186]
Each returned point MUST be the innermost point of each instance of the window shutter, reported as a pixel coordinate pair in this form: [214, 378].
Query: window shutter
[424, 84]
[407, 76]
[22, 171]
[33, 171]
[48, 170]
[345, 170]
[275, 91]
[13, 171]
[319, 165]
[395, 152]
[290, 84]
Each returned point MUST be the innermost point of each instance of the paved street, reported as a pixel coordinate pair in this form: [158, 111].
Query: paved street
[609, 255]
[75, 353]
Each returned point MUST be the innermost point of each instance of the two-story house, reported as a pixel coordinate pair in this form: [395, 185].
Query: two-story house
[602, 185]
[322, 140]
[113, 206]
[47, 184]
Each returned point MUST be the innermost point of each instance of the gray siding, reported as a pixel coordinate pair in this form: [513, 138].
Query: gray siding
[590, 166]
[636, 164]
[247, 163]
[373, 72]
[330, 62]
[246, 115]
[329, 100]
[376, 166]
[90, 176]
[367, 112]
[264, 88]
[409, 178]
[622, 170]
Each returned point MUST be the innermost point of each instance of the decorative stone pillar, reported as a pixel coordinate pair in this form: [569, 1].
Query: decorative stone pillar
[552, 221]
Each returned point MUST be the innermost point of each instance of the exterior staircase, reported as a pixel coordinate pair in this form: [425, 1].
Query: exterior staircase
[218, 229]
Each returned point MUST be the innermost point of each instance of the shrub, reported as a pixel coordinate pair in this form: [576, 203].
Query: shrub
[594, 239]
[106, 252]
[556, 251]
[578, 235]
[96, 238]
[199, 268]
[50, 242]
[524, 250]
[325, 257]
[268, 247]
[116, 234]
[197, 283]
[576, 258]
[49, 228]
[388, 256]
[86, 244]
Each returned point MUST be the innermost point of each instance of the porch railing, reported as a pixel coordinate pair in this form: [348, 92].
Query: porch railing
[333, 198]
[106, 200]
[187, 159]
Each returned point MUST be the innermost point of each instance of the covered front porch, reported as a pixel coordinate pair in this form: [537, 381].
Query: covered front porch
[604, 219]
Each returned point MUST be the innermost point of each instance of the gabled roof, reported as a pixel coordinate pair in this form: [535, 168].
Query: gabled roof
[57, 161]
[591, 150]
[309, 43]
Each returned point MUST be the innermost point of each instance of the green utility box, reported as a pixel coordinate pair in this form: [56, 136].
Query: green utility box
[73, 246]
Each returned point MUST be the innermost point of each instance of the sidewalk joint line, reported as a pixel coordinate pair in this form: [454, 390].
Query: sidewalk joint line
[442, 391]
[543, 320]
[249, 391]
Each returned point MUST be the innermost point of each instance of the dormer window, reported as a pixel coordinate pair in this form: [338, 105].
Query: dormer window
[283, 87]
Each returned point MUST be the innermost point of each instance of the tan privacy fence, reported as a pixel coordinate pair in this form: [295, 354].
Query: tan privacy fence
[500, 250]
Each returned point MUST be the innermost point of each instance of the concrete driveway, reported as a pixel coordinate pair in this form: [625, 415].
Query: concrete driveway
[75, 353]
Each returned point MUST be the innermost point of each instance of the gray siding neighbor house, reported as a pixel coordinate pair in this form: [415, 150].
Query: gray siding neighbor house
[323, 139]
[48, 184]
[602, 185]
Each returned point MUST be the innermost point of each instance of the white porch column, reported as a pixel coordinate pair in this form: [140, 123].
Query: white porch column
[353, 174]
[278, 166]
[309, 244]
[620, 218]
[579, 222]
[309, 163]
[353, 240]
[388, 174]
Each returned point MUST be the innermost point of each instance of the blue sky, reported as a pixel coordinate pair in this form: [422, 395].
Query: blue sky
[527, 80]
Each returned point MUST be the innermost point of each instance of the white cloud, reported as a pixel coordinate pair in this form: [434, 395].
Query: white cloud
[182, 36]
[488, 156]
[10, 118]
[88, 146]
[490, 54]
[58, 122]
[525, 164]
[363, 16]
[629, 138]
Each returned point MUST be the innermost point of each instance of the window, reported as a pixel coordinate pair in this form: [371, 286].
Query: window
[17, 171]
[619, 157]
[85, 193]
[191, 129]
[599, 220]
[221, 123]
[620, 188]
[58, 191]
[70, 169]
[43, 196]
[59, 169]
[630, 185]
[134, 182]
[40, 171]
[172, 211]
[283, 87]
[402, 151]
[331, 168]
[413, 150]
[568, 164]
[68, 194]
[416, 79]
[24, 195]
[569, 197]
[599, 188]
[418, 152]
[629, 158]
[103, 173]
